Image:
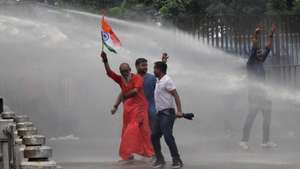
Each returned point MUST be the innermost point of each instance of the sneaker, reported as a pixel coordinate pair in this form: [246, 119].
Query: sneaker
[158, 164]
[153, 159]
[244, 145]
[269, 145]
[177, 163]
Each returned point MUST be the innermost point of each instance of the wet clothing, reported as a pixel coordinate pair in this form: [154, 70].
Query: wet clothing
[149, 87]
[163, 98]
[163, 126]
[255, 65]
[265, 108]
[258, 100]
[165, 118]
[136, 133]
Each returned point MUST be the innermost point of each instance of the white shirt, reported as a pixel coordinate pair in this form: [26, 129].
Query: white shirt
[163, 97]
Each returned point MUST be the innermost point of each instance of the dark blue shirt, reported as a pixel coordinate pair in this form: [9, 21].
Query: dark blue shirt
[255, 64]
[149, 87]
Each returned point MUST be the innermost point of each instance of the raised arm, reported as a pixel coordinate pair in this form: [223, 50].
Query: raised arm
[117, 78]
[270, 38]
[105, 62]
[255, 37]
[269, 44]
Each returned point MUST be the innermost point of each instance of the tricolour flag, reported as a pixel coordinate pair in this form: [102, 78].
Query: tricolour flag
[109, 38]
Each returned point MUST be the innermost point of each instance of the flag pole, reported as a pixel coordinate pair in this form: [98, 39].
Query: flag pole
[103, 14]
[102, 47]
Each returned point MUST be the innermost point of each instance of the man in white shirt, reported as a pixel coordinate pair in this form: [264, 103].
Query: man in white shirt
[166, 99]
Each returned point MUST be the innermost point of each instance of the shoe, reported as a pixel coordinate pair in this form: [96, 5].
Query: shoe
[177, 163]
[244, 145]
[158, 164]
[128, 161]
[153, 159]
[269, 145]
[130, 158]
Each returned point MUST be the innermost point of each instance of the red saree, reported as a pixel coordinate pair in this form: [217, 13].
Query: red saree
[136, 133]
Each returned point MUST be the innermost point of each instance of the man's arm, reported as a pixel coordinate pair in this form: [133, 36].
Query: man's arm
[117, 103]
[131, 93]
[254, 48]
[269, 44]
[117, 78]
[105, 62]
[270, 38]
[255, 37]
[138, 84]
[175, 94]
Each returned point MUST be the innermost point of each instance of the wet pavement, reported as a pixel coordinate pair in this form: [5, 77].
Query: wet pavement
[195, 165]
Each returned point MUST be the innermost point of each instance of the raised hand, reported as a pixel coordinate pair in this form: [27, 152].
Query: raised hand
[258, 29]
[164, 57]
[104, 57]
[274, 28]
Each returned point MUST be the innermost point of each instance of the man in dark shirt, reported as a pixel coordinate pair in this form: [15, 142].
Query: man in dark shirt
[257, 96]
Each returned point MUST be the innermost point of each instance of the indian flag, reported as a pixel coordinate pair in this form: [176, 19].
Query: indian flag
[109, 38]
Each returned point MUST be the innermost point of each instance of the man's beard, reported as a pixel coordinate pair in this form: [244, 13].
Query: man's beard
[142, 72]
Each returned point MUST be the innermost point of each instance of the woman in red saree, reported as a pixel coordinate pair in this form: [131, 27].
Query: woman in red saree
[136, 133]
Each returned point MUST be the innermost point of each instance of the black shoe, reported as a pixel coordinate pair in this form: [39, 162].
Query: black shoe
[158, 164]
[177, 163]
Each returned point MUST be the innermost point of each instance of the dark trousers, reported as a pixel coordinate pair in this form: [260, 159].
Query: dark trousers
[163, 126]
[152, 119]
[258, 105]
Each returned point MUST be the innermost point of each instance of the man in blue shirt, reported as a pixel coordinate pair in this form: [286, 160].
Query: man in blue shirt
[141, 65]
[149, 86]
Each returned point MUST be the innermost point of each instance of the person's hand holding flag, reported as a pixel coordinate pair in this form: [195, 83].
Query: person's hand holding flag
[108, 37]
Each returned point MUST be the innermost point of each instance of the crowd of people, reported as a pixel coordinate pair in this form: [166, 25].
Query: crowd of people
[151, 105]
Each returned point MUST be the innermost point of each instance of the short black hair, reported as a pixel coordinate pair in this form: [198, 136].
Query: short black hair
[140, 60]
[162, 66]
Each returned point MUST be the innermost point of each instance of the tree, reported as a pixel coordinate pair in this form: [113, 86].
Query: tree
[296, 9]
[275, 7]
[172, 8]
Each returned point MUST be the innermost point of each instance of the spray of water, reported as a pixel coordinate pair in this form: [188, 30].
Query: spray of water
[51, 71]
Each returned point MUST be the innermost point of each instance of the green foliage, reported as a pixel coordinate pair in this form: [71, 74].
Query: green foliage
[115, 11]
[173, 8]
[296, 9]
[275, 7]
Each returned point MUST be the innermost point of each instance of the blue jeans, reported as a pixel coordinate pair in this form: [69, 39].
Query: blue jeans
[163, 126]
